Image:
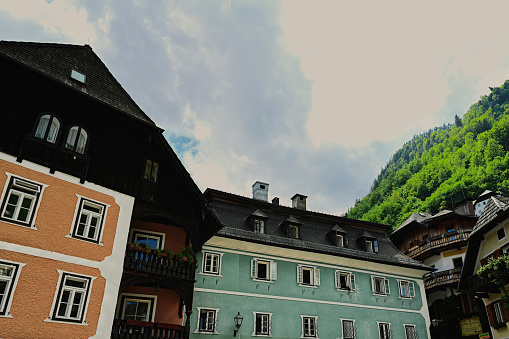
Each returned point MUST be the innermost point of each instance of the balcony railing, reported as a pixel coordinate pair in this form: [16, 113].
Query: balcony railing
[443, 278]
[150, 262]
[477, 284]
[132, 329]
[438, 241]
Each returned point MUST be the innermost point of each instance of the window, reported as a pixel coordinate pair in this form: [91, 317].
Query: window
[89, 220]
[9, 273]
[72, 298]
[380, 285]
[137, 307]
[339, 240]
[262, 269]
[151, 169]
[345, 281]
[153, 239]
[262, 324]
[21, 201]
[372, 246]
[77, 140]
[410, 332]
[501, 234]
[308, 276]
[309, 327]
[259, 225]
[48, 127]
[384, 329]
[78, 76]
[457, 262]
[207, 320]
[211, 263]
[450, 229]
[293, 231]
[499, 315]
[406, 289]
[348, 329]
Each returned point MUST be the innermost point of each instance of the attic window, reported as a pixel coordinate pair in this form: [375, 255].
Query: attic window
[372, 246]
[151, 169]
[293, 231]
[78, 76]
[259, 225]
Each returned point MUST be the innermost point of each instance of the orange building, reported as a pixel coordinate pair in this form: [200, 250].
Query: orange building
[99, 220]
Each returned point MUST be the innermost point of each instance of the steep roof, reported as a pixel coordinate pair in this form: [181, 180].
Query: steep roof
[416, 217]
[56, 61]
[232, 211]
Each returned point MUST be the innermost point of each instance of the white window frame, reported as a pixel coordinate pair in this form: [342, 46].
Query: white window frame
[385, 286]
[160, 237]
[340, 240]
[388, 334]
[295, 234]
[19, 186]
[271, 270]
[350, 280]
[80, 210]
[505, 233]
[219, 257]
[498, 312]
[269, 324]
[124, 297]
[207, 309]
[57, 300]
[259, 225]
[411, 289]
[314, 275]
[342, 320]
[313, 321]
[415, 331]
[11, 282]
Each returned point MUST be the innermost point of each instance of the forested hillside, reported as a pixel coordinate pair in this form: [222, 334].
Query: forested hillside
[443, 166]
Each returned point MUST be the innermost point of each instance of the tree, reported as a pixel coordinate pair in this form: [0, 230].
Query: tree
[457, 121]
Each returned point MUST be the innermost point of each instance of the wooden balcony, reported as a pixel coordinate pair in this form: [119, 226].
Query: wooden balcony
[441, 279]
[132, 329]
[150, 263]
[478, 285]
[438, 243]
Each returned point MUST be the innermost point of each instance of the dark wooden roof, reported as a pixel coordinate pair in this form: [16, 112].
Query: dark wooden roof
[232, 211]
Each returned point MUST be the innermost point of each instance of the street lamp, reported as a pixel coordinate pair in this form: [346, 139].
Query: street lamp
[238, 322]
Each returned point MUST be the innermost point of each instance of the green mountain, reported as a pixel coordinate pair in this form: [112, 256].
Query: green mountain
[441, 167]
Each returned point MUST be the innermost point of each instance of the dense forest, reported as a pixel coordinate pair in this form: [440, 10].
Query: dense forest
[441, 167]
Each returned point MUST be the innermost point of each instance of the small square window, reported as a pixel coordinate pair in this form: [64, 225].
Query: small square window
[89, 221]
[151, 169]
[207, 320]
[262, 269]
[72, 298]
[348, 329]
[345, 281]
[293, 231]
[309, 327]
[406, 289]
[9, 273]
[410, 332]
[380, 285]
[78, 76]
[262, 324]
[501, 233]
[259, 225]
[211, 263]
[308, 275]
[21, 201]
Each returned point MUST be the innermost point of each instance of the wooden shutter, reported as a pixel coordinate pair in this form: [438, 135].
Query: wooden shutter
[491, 314]
[373, 284]
[273, 270]
[387, 289]
[352, 281]
[299, 274]
[317, 276]
[412, 289]
[253, 268]
[336, 279]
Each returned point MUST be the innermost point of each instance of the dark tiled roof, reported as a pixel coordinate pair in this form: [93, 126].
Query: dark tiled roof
[336, 228]
[366, 234]
[232, 211]
[56, 62]
[415, 217]
[259, 213]
[494, 207]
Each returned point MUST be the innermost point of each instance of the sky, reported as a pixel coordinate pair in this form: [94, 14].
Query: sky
[311, 97]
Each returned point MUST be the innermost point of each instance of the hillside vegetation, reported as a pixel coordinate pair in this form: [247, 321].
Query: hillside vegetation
[441, 167]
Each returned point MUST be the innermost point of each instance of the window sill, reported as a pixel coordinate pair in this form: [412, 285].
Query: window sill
[94, 242]
[349, 290]
[380, 295]
[210, 275]
[62, 321]
[263, 280]
[500, 325]
[312, 286]
[13, 222]
[204, 332]
[406, 298]
[262, 335]
[8, 315]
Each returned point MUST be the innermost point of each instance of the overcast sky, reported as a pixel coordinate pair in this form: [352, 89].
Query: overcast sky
[312, 97]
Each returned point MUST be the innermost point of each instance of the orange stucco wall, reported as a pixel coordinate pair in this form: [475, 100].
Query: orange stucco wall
[34, 294]
[175, 238]
[55, 215]
[167, 304]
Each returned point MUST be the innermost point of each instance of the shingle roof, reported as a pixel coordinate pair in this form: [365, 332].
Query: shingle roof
[232, 211]
[415, 217]
[56, 62]
[493, 208]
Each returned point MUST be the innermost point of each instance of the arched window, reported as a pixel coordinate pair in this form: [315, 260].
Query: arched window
[77, 139]
[48, 127]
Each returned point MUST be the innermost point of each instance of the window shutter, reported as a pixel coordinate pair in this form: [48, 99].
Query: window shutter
[352, 281]
[412, 289]
[491, 315]
[387, 289]
[375, 246]
[345, 237]
[317, 277]
[273, 270]
[373, 283]
[253, 268]
[336, 279]
[299, 274]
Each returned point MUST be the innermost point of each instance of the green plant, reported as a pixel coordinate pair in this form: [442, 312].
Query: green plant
[497, 270]
[148, 249]
[187, 252]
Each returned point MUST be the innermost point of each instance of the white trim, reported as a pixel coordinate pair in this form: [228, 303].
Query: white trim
[269, 325]
[158, 234]
[350, 276]
[385, 281]
[271, 266]
[136, 296]
[216, 311]
[342, 329]
[302, 326]
[410, 284]
[314, 301]
[14, 282]
[404, 329]
[76, 215]
[378, 323]
[505, 233]
[315, 273]
[203, 260]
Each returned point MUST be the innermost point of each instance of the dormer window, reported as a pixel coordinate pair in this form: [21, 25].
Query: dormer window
[368, 241]
[77, 140]
[257, 221]
[293, 231]
[259, 225]
[338, 236]
[48, 127]
[339, 240]
[291, 227]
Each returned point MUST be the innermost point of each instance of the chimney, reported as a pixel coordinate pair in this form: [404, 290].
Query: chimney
[261, 191]
[299, 201]
[275, 201]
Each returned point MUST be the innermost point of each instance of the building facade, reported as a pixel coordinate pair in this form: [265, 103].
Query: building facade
[85, 175]
[293, 273]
